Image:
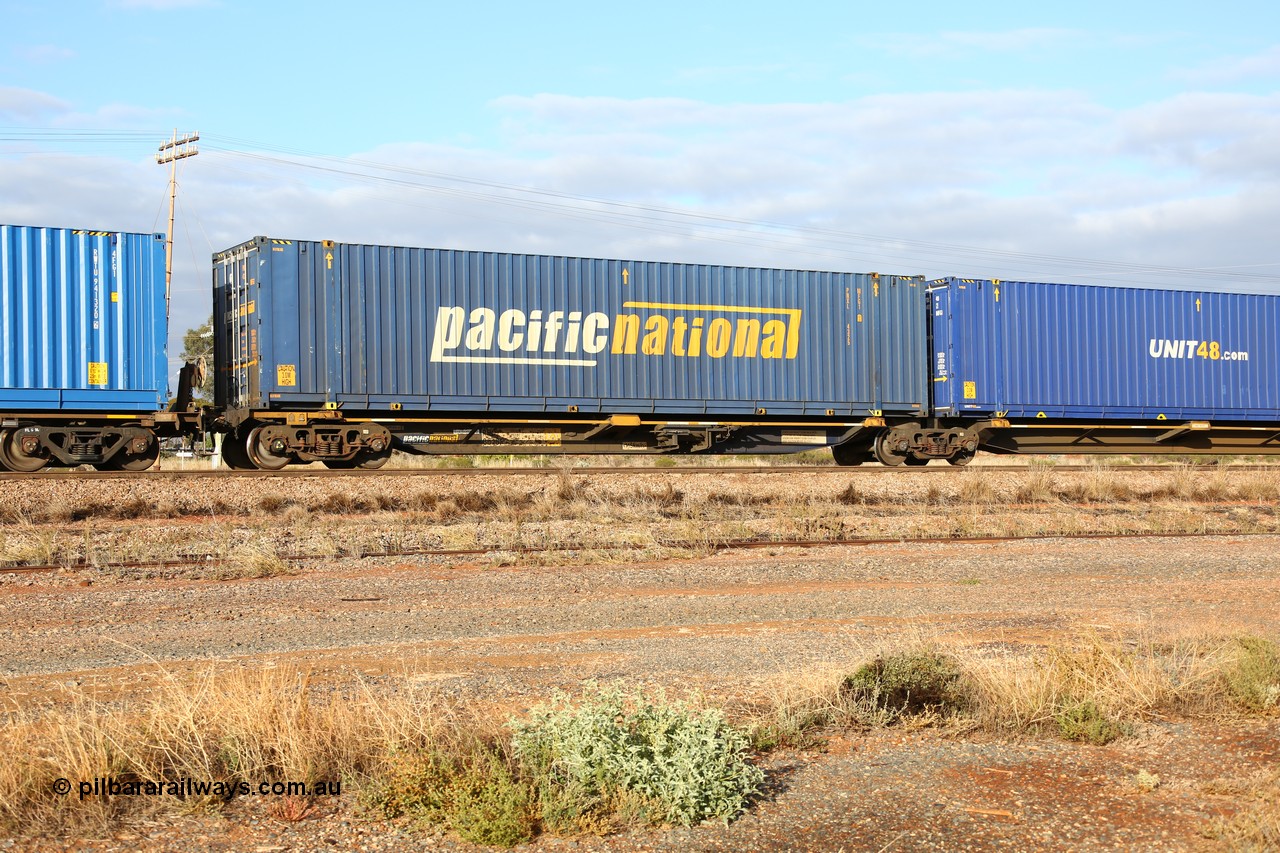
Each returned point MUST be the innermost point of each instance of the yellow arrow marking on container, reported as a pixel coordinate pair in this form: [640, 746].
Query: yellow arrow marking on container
[626, 275]
[328, 260]
[1197, 306]
[875, 288]
[997, 293]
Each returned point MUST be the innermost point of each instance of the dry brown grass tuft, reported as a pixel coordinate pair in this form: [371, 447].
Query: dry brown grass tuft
[1257, 827]
[1102, 483]
[1095, 690]
[474, 502]
[252, 726]
[253, 560]
[1037, 487]
[976, 488]
[1122, 682]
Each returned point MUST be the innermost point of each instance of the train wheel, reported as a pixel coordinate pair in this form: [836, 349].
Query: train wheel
[961, 458]
[915, 461]
[13, 457]
[850, 454]
[373, 461]
[126, 461]
[234, 455]
[885, 455]
[262, 454]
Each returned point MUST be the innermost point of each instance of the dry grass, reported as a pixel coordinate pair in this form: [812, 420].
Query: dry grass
[251, 726]
[1096, 689]
[486, 779]
[1256, 828]
[254, 560]
[270, 725]
[577, 511]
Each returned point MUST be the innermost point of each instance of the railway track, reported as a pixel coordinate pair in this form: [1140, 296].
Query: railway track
[211, 560]
[219, 473]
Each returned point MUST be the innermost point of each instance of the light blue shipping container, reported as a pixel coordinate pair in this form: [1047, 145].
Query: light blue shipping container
[1069, 351]
[369, 328]
[82, 319]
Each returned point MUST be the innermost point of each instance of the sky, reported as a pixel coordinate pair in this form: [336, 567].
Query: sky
[1120, 143]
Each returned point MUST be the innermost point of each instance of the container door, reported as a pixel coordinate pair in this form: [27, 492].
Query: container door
[942, 352]
[237, 344]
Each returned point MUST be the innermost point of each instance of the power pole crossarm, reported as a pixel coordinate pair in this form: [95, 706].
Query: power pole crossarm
[177, 148]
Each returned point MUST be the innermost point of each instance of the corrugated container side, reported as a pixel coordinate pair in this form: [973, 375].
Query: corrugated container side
[368, 326]
[82, 319]
[1036, 350]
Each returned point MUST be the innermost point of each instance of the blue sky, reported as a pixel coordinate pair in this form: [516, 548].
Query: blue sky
[345, 81]
[1112, 142]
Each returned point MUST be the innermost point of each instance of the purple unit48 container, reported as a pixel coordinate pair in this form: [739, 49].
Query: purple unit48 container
[82, 321]
[1066, 351]
[312, 325]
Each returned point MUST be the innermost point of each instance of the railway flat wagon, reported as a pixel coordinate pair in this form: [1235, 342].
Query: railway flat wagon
[83, 332]
[1089, 368]
[338, 352]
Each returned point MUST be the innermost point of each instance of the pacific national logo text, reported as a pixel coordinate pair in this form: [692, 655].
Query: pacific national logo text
[572, 338]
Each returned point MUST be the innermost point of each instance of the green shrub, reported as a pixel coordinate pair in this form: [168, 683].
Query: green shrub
[1083, 721]
[470, 788]
[908, 682]
[641, 760]
[1252, 678]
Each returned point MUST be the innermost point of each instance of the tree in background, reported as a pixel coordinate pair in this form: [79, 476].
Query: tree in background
[197, 343]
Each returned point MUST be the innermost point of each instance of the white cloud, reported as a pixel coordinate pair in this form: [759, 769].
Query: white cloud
[1234, 69]
[1191, 181]
[23, 106]
[1225, 136]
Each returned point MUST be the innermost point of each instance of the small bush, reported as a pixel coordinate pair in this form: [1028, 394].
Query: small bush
[1252, 678]
[422, 501]
[653, 760]
[975, 488]
[339, 503]
[909, 682]
[666, 497]
[474, 502]
[1036, 488]
[252, 561]
[1083, 721]
[1146, 781]
[568, 489]
[738, 499]
[273, 503]
[1257, 827]
[852, 496]
[469, 787]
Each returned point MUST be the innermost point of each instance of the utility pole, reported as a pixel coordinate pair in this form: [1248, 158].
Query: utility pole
[171, 152]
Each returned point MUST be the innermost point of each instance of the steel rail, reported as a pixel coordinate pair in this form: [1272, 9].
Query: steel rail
[59, 475]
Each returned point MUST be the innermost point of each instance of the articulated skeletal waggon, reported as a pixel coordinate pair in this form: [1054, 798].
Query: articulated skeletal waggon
[343, 353]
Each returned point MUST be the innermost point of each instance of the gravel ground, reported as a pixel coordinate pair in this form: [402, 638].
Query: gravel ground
[732, 625]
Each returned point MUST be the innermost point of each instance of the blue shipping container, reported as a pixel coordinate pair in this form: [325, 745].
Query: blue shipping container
[82, 319]
[310, 324]
[1031, 350]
